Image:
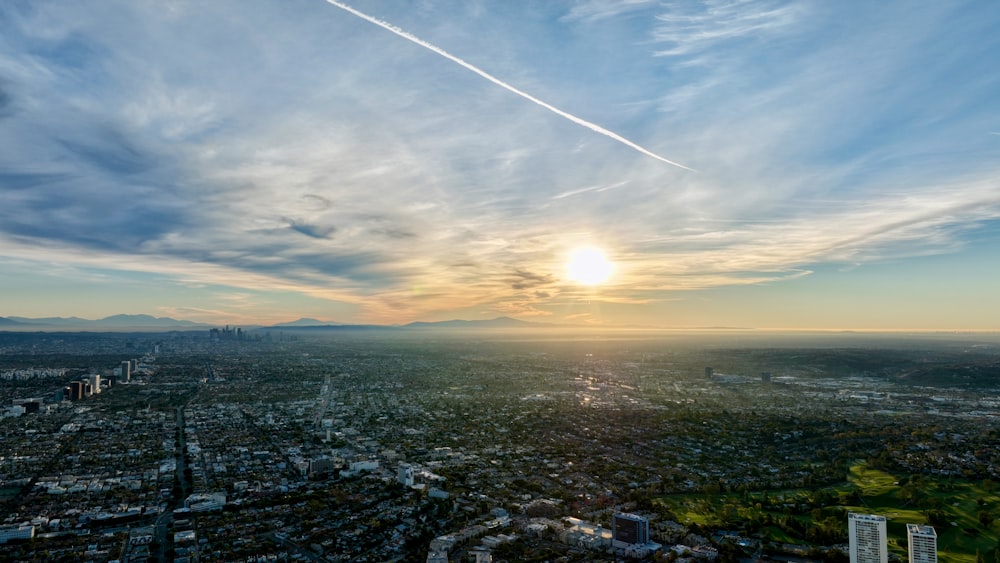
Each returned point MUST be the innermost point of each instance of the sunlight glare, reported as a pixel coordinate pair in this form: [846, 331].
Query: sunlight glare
[588, 266]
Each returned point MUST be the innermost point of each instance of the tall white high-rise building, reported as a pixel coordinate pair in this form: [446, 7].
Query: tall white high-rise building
[404, 474]
[867, 537]
[95, 382]
[921, 541]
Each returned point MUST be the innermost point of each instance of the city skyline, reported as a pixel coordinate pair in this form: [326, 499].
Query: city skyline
[777, 165]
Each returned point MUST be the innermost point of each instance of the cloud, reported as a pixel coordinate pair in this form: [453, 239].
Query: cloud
[110, 152]
[27, 180]
[318, 202]
[313, 231]
[695, 29]
[217, 146]
[528, 280]
[520, 309]
[395, 233]
[597, 10]
[6, 101]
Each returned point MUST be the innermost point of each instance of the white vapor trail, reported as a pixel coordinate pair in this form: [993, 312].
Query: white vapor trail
[583, 122]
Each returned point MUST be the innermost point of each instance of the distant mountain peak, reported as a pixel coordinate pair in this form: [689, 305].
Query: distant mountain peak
[306, 321]
[142, 320]
[149, 322]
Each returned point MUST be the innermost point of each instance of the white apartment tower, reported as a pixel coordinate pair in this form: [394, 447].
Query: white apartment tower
[921, 541]
[95, 382]
[868, 539]
[404, 474]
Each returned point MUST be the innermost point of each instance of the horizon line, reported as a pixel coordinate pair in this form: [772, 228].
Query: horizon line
[532, 325]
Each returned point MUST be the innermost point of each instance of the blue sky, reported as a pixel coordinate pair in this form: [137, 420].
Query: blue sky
[258, 162]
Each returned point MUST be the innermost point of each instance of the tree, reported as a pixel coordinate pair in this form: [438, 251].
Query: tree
[908, 494]
[937, 517]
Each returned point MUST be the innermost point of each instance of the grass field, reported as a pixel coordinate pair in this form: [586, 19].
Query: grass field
[901, 499]
[872, 482]
[963, 535]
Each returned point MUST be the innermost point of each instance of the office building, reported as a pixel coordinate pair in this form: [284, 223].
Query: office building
[630, 536]
[629, 529]
[29, 405]
[921, 541]
[95, 382]
[322, 467]
[866, 533]
[126, 371]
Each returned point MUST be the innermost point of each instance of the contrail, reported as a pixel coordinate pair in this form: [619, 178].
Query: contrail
[583, 122]
[589, 189]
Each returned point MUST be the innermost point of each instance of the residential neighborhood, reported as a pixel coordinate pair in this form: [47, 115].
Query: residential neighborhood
[201, 448]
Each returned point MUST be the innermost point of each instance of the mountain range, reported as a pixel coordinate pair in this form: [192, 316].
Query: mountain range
[114, 322]
[151, 323]
[313, 325]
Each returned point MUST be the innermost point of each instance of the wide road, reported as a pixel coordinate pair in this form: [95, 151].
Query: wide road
[164, 522]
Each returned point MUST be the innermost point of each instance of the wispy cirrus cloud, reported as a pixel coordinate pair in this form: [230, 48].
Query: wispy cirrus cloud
[697, 30]
[302, 151]
[596, 10]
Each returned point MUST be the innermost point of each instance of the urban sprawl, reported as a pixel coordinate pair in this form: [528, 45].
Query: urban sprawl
[256, 445]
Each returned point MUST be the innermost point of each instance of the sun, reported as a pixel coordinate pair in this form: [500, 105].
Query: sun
[588, 266]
